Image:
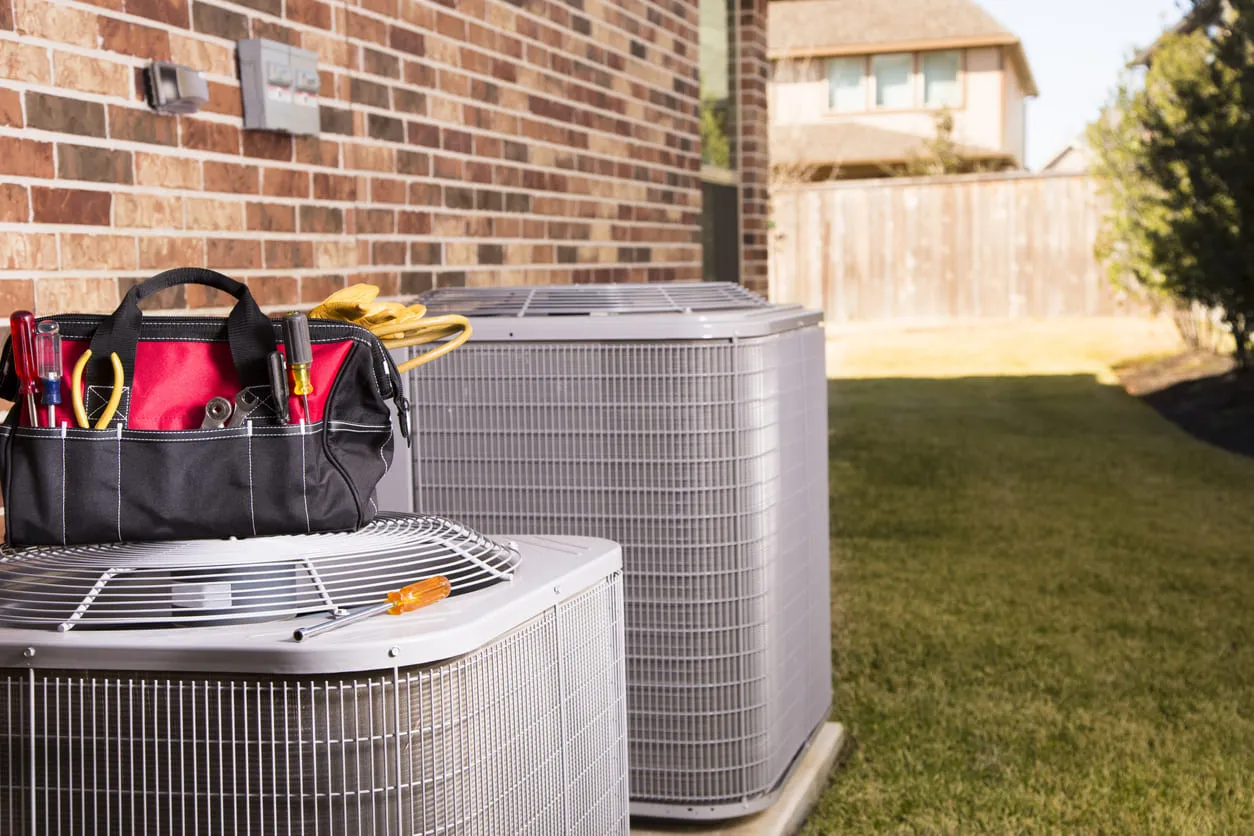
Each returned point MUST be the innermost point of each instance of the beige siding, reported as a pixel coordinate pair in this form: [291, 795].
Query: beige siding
[980, 122]
[799, 95]
[937, 249]
[1016, 118]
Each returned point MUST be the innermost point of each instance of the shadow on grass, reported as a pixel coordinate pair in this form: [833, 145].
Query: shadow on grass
[1041, 612]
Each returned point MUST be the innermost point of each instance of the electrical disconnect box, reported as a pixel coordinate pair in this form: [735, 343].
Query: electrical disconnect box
[280, 85]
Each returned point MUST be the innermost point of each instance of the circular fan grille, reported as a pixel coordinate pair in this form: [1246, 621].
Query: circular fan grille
[207, 582]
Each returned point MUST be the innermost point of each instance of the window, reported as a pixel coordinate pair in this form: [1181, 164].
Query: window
[940, 79]
[718, 84]
[893, 80]
[845, 91]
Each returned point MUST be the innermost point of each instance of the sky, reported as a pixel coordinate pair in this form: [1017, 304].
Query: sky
[1077, 49]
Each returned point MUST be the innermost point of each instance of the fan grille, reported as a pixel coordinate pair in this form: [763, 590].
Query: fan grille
[559, 300]
[525, 735]
[205, 582]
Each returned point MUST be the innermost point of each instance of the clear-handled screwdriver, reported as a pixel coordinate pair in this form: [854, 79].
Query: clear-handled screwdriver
[22, 339]
[48, 361]
[299, 358]
[408, 599]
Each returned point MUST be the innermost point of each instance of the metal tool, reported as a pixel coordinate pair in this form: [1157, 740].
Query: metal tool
[415, 596]
[217, 411]
[278, 385]
[22, 340]
[299, 358]
[245, 403]
[115, 398]
[48, 363]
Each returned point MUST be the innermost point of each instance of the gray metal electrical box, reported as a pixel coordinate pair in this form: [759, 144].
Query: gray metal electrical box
[280, 86]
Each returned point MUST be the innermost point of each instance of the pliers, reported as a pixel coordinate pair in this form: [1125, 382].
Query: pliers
[115, 398]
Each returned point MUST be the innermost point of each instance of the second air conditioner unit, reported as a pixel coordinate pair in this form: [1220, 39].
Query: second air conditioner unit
[688, 423]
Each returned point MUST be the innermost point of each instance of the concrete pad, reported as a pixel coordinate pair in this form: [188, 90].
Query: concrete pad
[789, 812]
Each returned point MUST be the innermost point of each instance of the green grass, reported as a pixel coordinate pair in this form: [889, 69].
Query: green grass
[1043, 601]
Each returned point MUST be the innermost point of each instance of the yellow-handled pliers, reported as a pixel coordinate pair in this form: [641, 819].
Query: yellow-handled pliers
[76, 392]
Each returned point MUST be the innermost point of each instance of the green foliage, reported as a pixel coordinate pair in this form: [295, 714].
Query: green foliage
[940, 153]
[1176, 159]
[715, 142]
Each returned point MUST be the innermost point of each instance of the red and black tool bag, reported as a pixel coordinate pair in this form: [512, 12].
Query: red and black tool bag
[154, 474]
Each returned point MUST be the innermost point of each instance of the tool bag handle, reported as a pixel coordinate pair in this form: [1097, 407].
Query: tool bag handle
[249, 331]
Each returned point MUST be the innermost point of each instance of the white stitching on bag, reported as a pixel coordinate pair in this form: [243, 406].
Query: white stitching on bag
[251, 512]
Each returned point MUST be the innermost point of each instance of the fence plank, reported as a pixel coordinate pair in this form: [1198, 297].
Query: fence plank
[1006, 246]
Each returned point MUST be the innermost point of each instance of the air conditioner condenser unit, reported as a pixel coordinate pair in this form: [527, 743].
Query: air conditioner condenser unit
[688, 423]
[157, 688]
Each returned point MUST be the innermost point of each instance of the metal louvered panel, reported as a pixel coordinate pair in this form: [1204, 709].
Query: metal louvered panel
[524, 735]
[592, 299]
[707, 461]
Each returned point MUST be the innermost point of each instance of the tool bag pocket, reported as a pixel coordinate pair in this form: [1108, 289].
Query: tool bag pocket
[152, 473]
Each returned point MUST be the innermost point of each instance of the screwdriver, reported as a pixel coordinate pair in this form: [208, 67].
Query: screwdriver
[48, 361]
[410, 598]
[299, 357]
[278, 384]
[22, 326]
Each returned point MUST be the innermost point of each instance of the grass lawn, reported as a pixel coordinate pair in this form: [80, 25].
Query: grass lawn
[1044, 612]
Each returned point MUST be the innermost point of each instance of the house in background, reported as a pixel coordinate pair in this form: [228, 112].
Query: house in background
[858, 86]
[1076, 157]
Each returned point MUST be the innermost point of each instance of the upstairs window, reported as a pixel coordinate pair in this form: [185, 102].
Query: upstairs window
[846, 92]
[941, 87]
[894, 77]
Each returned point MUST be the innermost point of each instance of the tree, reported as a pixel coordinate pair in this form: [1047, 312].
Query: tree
[940, 154]
[1176, 159]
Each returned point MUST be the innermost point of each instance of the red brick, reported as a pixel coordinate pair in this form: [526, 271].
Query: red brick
[274, 32]
[367, 28]
[173, 12]
[285, 182]
[232, 254]
[225, 99]
[387, 191]
[14, 203]
[375, 221]
[71, 206]
[17, 294]
[274, 290]
[407, 40]
[219, 22]
[314, 289]
[163, 252]
[231, 177]
[210, 136]
[199, 296]
[288, 254]
[269, 217]
[97, 252]
[310, 150]
[84, 295]
[134, 39]
[11, 109]
[6, 22]
[270, 146]
[64, 115]
[321, 219]
[142, 126]
[414, 223]
[335, 186]
[387, 252]
[97, 165]
[309, 12]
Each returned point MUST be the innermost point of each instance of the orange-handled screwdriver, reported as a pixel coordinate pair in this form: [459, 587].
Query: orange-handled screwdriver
[410, 598]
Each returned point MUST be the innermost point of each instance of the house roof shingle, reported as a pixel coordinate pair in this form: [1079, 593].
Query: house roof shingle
[850, 143]
[835, 27]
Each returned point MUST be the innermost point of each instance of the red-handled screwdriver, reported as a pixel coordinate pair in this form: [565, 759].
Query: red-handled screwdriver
[22, 326]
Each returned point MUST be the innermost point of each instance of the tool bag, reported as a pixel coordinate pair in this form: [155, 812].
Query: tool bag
[154, 474]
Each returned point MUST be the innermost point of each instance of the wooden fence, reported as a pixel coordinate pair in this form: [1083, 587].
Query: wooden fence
[938, 249]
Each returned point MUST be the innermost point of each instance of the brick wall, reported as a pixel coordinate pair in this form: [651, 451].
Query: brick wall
[754, 74]
[478, 142]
